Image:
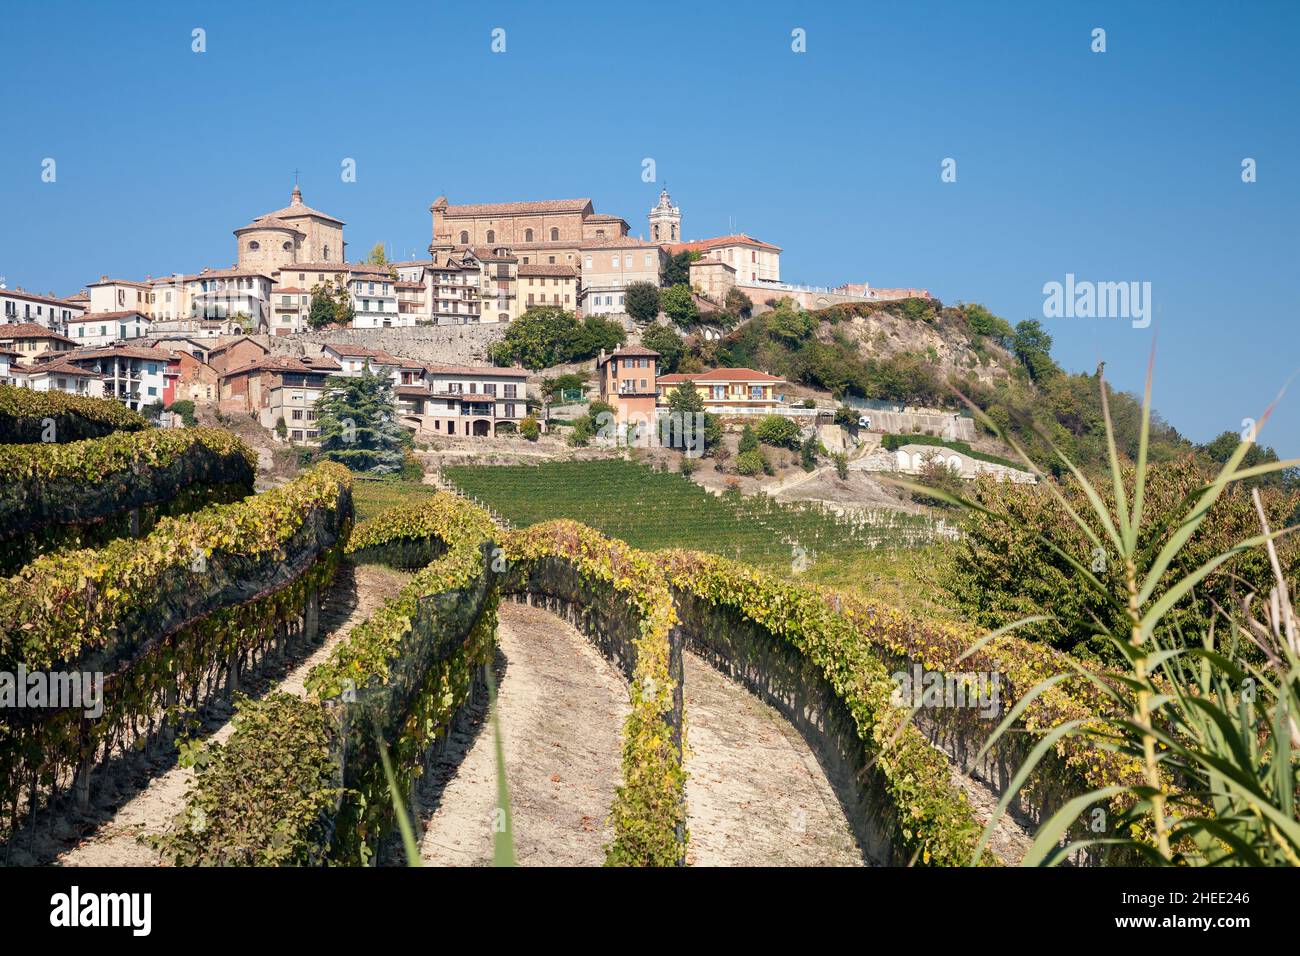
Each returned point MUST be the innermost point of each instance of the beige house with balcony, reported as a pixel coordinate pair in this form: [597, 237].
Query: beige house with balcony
[498, 291]
[465, 401]
[728, 391]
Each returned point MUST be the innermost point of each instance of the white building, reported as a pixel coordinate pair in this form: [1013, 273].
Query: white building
[18, 305]
[59, 375]
[374, 301]
[104, 328]
[290, 309]
[133, 375]
[231, 294]
[118, 295]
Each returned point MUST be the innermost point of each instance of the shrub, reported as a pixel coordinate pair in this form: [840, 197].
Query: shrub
[25, 416]
[185, 409]
[748, 440]
[808, 452]
[751, 463]
[412, 468]
[778, 431]
[841, 465]
[530, 428]
[1005, 569]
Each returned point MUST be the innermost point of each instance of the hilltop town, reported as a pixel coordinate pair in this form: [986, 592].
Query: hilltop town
[257, 343]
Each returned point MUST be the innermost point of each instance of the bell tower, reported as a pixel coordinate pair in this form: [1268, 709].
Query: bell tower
[665, 220]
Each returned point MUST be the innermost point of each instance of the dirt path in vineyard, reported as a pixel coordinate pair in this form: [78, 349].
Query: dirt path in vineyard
[355, 594]
[562, 707]
[755, 794]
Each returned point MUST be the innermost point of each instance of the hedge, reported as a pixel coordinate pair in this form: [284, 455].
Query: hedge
[27, 416]
[95, 607]
[166, 636]
[59, 496]
[399, 677]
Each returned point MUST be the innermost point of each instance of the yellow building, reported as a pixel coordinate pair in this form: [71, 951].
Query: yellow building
[728, 390]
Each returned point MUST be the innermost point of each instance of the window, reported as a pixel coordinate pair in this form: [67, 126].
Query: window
[491, 236]
[326, 255]
[152, 391]
[613, 263]
[555, 235]
[464, 238]
[587, 262]
[254, 246]
[287, 246]
[510, 411]
[296, 414]
[719, 392]
[509, 390]
[528, 235]
[756, 391]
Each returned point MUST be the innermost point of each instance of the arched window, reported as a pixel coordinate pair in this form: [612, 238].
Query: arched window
[528, 235]
[464, 238]
[555, 235]
[254, 246]
[674, 233]
[326, 252]
[491, 237]
[656, 230]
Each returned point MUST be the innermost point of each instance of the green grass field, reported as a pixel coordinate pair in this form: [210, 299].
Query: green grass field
[881, 551]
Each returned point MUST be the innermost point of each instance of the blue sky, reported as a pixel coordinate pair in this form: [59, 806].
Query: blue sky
[1115, 166]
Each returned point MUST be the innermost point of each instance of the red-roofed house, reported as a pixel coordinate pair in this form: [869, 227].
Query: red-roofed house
[755, 261]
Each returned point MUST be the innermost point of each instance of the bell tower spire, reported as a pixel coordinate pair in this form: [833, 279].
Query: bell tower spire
[665, 220]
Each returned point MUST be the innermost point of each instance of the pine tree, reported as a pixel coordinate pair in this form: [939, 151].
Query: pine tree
[358, 424]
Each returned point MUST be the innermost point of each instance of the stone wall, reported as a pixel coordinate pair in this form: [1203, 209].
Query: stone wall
[431, 344]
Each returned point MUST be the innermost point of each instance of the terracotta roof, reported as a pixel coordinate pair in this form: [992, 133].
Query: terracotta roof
[33, 297]
[270, 222]
[505, 371]
[125, 351]
[231, 273]
[297, 209]
[719, 375]
[546, 269]
[513, 208]
[603, 217]
[316, 267]
[283, 363]
[617, 242]
[29, 330]
[633, 350]
[100, 316]
[703, 245]
[105, 280]
[7, 351]
[235, 341]
[61, 366]
[485, 254]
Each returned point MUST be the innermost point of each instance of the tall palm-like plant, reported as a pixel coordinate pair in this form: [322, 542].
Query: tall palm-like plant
[1214, 732]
